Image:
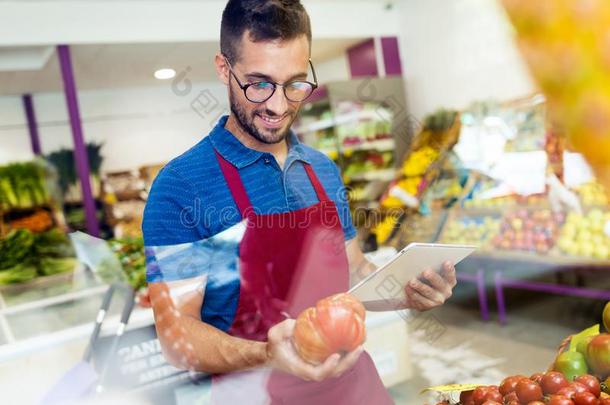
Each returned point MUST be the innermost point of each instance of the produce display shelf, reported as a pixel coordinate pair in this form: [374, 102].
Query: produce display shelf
[493, 265]
[380, 145]
[550, 259]
[382, 175]
[343, 119]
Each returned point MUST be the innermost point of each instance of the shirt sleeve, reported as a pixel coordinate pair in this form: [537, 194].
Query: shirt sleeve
[342, 202]
[172, 219]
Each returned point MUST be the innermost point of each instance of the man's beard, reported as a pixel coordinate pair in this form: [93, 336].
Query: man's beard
[272, 136]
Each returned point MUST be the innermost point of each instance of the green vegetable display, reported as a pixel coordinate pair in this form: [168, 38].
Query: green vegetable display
[22, 185]
[130, 252]
[15, 248]
[63, 160]
[25, 256]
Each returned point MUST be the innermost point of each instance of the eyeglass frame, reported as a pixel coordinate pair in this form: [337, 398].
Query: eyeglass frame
[244, 87]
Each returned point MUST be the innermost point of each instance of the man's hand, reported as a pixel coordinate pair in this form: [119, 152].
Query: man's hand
[433, 291]
[283, 356]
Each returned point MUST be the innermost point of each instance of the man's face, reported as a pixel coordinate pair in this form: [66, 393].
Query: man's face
[275, 61]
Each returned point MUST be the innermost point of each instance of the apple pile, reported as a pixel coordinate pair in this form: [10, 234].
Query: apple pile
[471, 230]
[592, 193]
[505, 201]
[531, 231]
[585, 235]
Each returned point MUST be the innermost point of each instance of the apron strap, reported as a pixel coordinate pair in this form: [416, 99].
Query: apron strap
[321, 193]
[236, 186]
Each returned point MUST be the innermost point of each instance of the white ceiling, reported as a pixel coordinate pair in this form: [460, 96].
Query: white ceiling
[129, 65]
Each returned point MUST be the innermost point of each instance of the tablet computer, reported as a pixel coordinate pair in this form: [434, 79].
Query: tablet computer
[387, 283]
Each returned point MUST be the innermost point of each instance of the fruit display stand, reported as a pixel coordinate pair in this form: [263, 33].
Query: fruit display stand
[124, 196]
[363, 126]
[524, 238]
[405, 208]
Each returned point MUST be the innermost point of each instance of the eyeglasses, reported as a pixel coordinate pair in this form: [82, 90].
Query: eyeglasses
[259, 92]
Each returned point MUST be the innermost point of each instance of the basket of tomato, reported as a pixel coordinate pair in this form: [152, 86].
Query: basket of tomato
[549, 388]
[579, 375]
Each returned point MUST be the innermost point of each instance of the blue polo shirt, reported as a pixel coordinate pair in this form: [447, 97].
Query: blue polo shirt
[190, 215]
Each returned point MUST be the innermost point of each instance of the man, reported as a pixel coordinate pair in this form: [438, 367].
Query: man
[249, 227]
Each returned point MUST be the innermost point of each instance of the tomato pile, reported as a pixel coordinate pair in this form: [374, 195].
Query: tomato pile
[550, 388]
[580, 376]
[334, 325]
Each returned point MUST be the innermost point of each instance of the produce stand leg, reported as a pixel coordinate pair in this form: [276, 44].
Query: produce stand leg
[482, 291]
[6, 329]
[543, 287]
[479, 280]
[30, 115]
[499, 284]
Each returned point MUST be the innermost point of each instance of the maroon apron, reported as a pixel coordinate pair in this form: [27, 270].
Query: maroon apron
[288, 261]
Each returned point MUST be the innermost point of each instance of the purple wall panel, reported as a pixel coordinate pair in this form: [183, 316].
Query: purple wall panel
[362, 59]
[391, 56]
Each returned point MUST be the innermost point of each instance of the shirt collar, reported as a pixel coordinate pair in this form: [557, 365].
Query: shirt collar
[240, 155]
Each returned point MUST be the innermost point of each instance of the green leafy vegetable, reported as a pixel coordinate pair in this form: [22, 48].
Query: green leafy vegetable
[24, 255]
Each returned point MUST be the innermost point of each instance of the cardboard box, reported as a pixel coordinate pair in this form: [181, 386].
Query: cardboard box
[388, 345]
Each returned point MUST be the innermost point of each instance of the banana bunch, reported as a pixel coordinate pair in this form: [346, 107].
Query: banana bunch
[409, 186]
[567, 46]
[392, 202]
[419, 161]
[384, 229]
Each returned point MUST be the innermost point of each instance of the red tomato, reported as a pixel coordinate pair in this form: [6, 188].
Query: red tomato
[494, 395]
[490, 402]
[585, 398]
[511, 396]
[579, 387]
[591, 382]
[509, 384]
[528, 391]
[466, 398]
[536, 403]
[479, 394]
[552, 382]
[335, 324]
[567, 392]
[560, 400]
[604, 401]
[537, 377]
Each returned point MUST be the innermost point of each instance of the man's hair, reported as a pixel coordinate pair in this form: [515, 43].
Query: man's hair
[264, 20]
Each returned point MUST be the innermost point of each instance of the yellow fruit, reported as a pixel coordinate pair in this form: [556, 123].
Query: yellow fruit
[566, 44]
[392, 202]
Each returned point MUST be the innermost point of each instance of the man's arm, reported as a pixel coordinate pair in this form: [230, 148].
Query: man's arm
[189, 343]
[431, 291]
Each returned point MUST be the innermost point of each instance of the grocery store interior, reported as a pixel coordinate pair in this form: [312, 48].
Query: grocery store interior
[451, 122]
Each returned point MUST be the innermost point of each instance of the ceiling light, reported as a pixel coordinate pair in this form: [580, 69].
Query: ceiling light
[164, 74]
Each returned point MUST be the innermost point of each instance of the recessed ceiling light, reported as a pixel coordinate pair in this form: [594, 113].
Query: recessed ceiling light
[164, 74]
